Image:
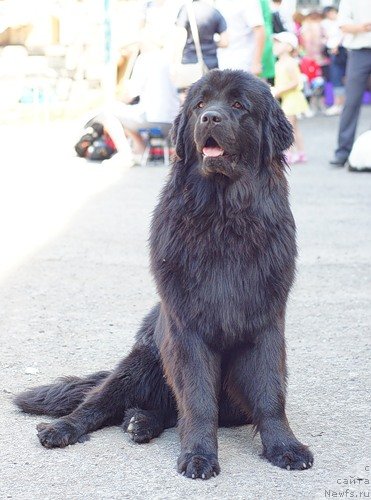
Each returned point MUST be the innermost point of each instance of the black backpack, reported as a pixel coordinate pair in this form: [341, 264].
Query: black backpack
[94, 144]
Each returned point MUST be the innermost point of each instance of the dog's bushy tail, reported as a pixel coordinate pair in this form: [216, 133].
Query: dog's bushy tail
[61, 397]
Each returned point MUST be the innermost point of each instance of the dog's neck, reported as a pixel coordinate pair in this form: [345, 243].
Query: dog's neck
[217, 195]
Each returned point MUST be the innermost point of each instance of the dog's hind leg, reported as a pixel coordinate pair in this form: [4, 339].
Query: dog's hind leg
[144, 425]
[137, 382]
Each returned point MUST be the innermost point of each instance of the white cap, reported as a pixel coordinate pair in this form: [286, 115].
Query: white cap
[287, 37]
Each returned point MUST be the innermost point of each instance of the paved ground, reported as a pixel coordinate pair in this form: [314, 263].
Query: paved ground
[74, 285]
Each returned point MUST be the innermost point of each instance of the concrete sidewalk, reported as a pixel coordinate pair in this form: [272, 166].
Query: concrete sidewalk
[74, 285]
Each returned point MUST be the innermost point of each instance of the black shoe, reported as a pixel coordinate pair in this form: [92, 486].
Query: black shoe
[358, 169]
[338, 161]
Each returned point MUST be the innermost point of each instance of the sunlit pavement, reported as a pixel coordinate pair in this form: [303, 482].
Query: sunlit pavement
[42, 184]
[74, 285]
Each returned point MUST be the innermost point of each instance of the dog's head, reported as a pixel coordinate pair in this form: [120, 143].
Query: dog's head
[230, 122]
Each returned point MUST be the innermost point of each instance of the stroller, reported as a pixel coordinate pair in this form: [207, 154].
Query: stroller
[314, 84]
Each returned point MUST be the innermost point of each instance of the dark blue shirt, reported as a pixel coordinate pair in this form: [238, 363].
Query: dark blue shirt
[209, 21]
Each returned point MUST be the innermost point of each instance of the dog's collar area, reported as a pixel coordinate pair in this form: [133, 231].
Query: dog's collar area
[212, 149]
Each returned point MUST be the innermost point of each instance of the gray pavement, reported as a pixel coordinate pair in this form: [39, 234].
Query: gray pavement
[74, 285]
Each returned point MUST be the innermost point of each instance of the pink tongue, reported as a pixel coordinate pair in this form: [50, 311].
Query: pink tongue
[213, 152]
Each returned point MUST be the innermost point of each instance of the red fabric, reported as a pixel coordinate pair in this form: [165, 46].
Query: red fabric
[310, 68]
[109, 141]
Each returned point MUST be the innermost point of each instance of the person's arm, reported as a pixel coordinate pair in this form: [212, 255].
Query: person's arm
[355, 29]
[134, 86]
[221, 30]
[253, 16]
[223, 40]
[182, 18]
[346, 21]
[259, 40]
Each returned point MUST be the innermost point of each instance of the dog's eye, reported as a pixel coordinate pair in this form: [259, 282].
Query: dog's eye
[201, 104]
[237, 105]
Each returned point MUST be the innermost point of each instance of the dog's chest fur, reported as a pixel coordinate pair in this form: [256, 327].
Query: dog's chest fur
[228, 263]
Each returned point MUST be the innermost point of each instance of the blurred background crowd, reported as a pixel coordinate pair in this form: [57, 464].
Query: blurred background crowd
[116, 62]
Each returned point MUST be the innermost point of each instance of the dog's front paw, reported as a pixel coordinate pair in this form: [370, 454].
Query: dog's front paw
[197, 465]
[57, 434]
[290, 456]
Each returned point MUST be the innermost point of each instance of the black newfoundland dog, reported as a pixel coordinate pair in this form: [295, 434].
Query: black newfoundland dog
[212, 352]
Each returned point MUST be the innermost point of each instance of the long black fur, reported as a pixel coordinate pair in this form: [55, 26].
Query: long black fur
[60, 398]
[223, 250]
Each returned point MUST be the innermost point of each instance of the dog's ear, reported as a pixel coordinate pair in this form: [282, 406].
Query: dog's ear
[277, 132]
[178, 134]
[283, 134]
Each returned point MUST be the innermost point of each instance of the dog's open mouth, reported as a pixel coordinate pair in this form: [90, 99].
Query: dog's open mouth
[212, 148]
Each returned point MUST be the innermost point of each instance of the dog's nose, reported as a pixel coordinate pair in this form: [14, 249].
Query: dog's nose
[211, 117]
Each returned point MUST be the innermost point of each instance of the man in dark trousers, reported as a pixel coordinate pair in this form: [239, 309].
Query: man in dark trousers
[355, 22]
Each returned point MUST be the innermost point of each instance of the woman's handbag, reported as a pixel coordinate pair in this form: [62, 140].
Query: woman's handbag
[183, 75]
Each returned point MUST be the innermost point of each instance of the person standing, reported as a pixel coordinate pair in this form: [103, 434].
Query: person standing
[210, 22]
[278, 24]
[288, 86]
[355, 22]
[338, 58]
[246, 34]
[268, 59]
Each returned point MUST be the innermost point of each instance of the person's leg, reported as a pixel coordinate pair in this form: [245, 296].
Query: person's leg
[131, 120]
[111, 123]
[357, 74]
[337, 72]
[296, 152]
[341, 66]
[116, 131]
[299, 143]
[138, 142]
[293, 120]
[339, 97]
[123, 122]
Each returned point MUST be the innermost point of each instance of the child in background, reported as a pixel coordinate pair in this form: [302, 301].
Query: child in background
[338, 58]
[288, 87]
